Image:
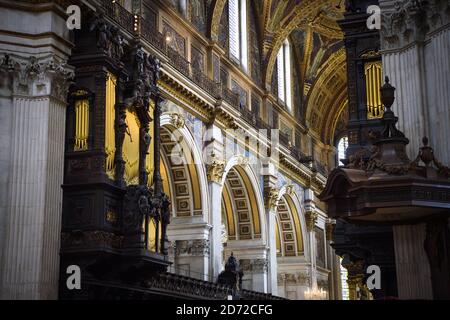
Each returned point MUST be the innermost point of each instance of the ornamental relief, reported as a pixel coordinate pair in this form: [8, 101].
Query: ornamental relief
[299, 278]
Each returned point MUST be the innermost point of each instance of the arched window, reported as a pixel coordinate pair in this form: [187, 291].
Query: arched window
[237, 12]
[342, 148]
[284, 74]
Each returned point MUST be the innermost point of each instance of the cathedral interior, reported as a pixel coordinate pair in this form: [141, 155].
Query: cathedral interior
[224, 149]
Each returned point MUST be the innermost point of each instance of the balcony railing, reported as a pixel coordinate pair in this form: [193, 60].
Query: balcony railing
[300, 156]
[149, 33]
[231, 97]
[178, 61]
[119, 14]
[206, 83]
[285, 140]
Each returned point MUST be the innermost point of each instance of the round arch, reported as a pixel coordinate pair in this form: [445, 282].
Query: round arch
[293, 203]
[181, 165]
[241, 195]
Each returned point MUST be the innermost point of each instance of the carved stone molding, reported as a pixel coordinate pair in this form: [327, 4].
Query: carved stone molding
[37, 77]
[242, 161]
[408, 21]
[290, 190]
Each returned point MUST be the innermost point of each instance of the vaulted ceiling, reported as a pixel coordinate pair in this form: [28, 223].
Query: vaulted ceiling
[316, 38]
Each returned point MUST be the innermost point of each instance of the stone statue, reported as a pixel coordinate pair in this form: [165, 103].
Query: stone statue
[232, 276]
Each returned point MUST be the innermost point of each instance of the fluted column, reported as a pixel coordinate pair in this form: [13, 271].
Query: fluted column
[30, 262]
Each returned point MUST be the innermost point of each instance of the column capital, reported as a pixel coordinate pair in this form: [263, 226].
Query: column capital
[311, 218]
[215, 169]
[271, 197]
[32, 76]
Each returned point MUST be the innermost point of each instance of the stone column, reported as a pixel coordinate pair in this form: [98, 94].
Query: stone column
[271, 201]
[30, 261]
[215, 167]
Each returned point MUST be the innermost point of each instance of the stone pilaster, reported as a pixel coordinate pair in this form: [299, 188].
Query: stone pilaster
[38, 92]
[215, 167]
[311, 219]
[271, 194]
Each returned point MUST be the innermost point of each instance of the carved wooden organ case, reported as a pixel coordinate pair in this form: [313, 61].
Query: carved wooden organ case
[114, 210]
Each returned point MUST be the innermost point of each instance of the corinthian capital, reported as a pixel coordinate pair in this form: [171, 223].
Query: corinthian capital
[215, 169]
[271, 198]
[37, 76]
[311, 218]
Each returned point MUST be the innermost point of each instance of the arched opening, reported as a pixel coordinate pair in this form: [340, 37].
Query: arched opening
[184, 180]
[243, 230]
[240, 213]
[289, 233]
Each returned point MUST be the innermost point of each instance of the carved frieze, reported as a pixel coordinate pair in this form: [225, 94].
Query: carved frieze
[199, 247]
[254, 265]
[90, 239]
[299, 278]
